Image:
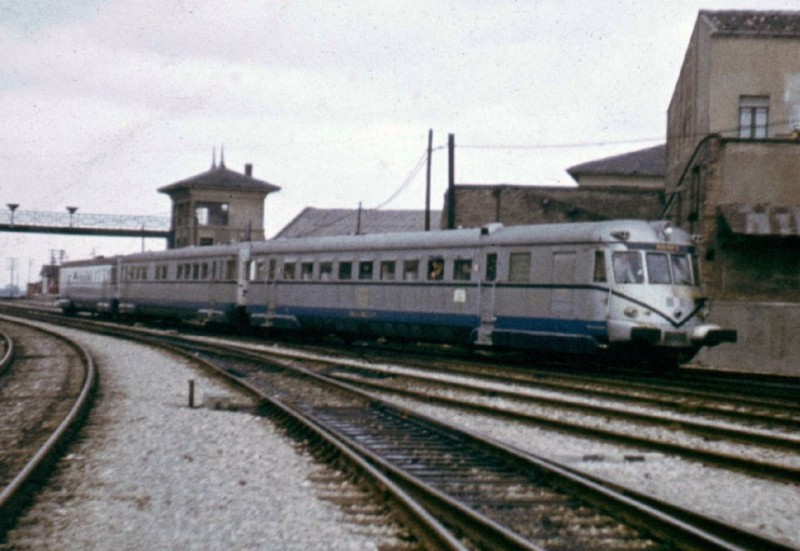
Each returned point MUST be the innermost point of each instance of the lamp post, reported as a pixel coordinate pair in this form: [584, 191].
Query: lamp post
[72, 211]
[12, 207]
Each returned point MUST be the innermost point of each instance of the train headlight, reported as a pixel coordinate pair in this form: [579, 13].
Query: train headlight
[631, 312]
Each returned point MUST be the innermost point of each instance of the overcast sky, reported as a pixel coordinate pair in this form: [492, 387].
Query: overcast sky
[103, 102]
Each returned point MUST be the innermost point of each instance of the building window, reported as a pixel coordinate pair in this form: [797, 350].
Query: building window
[211, 214]
[753, 116]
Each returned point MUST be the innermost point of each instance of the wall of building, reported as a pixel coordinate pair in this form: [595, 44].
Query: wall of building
[757, 172]
[477, 206]
[767, 334]
[754, 66]
[687, 114]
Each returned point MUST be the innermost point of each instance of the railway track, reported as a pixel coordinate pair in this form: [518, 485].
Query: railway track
[394, 441]
[46, 384]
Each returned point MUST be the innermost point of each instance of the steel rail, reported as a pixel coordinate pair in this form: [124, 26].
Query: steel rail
[15, 493]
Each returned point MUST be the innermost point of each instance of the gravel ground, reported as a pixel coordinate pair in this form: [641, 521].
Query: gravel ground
[759, 505]
[150, 473]
[770, 508]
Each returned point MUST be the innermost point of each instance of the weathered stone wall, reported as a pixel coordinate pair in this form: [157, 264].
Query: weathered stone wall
[767, 334]
[477, 206]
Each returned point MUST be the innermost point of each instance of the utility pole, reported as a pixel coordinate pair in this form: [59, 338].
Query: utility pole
[451, 182]
[12, 267]
[428, 184]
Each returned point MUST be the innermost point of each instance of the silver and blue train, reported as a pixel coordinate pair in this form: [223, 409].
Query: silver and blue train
[627, 289]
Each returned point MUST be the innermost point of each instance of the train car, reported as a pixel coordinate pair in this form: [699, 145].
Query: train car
[198, 283]
[87, 285]
[621, 289]
[629, 288]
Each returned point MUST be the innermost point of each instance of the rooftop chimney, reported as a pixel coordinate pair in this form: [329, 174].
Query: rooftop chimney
[248, 170]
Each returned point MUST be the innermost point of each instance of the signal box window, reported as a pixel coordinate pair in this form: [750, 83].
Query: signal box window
[462, 270]
[387, 270]
[345, 270]
[519, 267]
[289, 270]
[436, 269]
[410, 270]
[753, 116]
[211, 214]
[306, 271]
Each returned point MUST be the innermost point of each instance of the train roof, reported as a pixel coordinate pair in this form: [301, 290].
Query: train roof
[608, 231]
[492, 234]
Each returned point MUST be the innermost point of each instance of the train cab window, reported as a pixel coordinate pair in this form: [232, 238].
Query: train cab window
[325, 271]
[306, 271]
[288, 270]
[519, 267]
[462, 270]
[628, 267]
[410, 270]
[365, 270]
[681, 269]
[436, 269]
[491, 266]
[658, 268]
[387, 270]
[345, 270]
[599, 267]
[696, 270]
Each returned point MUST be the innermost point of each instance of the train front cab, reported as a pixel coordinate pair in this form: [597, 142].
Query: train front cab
[655, 302]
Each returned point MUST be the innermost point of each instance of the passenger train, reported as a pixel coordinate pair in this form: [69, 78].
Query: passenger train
[621, 289]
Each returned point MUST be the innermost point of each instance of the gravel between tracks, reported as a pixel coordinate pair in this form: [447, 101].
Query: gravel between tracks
[150, 473]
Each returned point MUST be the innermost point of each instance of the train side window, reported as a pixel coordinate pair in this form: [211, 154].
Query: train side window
[436, 268]
[230, 270]
[345, 270]
[365, 270]
[387, 270]
[519, 267]
[491, 266]
[462, 270]
[288, 270]
[658, 268]
[306, 271]
[325, 271]
[628, 267]
[410, 270]
[600, 267]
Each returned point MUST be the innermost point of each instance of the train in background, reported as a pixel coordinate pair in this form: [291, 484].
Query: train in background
[625, 289]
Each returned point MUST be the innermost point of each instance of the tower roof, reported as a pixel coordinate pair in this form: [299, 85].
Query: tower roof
[221, 177]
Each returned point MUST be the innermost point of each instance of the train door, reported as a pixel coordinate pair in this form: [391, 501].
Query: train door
[562, 298]
[487, 297]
